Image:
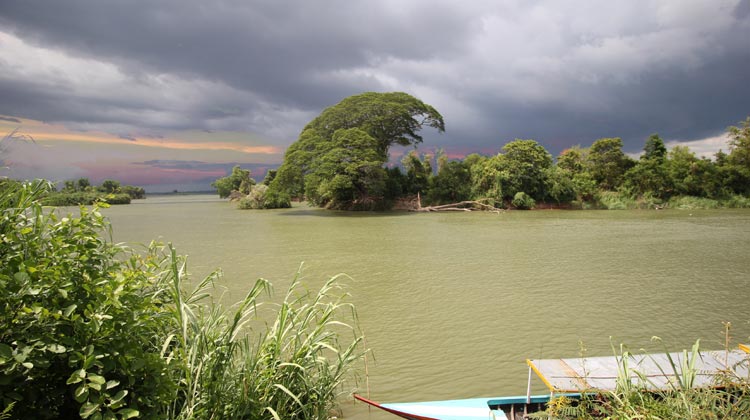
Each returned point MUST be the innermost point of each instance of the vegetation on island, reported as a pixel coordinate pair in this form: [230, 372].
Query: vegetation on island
[340, 162]
[95, 330]
[82, 192]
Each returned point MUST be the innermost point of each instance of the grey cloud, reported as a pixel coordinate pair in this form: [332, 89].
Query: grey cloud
[560, 73]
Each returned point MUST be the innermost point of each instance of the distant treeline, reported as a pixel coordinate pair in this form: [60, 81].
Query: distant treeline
[82, 192]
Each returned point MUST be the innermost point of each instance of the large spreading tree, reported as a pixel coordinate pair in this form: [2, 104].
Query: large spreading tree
[337, 162]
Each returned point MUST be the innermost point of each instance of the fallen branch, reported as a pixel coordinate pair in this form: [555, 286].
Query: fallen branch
[468, 205]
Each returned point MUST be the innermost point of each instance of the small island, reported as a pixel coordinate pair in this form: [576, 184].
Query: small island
[341, 161]
[82, 192]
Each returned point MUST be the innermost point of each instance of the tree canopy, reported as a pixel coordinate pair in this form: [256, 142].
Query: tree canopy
[337, 162]
[238, 180]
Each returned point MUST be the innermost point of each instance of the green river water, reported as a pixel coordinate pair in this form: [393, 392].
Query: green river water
[453, 303]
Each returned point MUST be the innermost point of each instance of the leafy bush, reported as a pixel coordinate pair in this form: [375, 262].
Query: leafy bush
[261, 197]
[79, 317]
[256, 198]
[95, 330]
[134, 192]
[523, 201]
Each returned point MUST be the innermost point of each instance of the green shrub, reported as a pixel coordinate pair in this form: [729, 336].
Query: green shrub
[523, 201]
[79, 317]
[256, 199]
[134, 192]
[261, 197]
[95, 330]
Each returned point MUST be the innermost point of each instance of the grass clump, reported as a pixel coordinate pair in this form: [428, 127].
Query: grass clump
[613, 200]
[92, 329]
[737, 202]
[693, 203]
[637, 396]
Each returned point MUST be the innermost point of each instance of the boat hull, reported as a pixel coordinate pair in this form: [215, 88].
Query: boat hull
[464, 409]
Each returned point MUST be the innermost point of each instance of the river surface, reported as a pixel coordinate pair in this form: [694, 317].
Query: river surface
[453, 303]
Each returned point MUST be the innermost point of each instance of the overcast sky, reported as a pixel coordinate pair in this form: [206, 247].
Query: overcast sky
[169, 93]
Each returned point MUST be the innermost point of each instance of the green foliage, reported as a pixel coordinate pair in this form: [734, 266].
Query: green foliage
[654, 149]
[525, 168]
[256, 199]
[737, 170]
[83, 193]
[349, 174]
[739, 144]
[636, 398]
[261, 198]
[64, 199]
[452, 184]
[690, 175]
[573, 159]
[110, 186]
[487, 179]
[523, 201]
[737, 201]
[94, 330]
[682, 400]
[418, 172]
[79, 317]
[329, 175]
[613, 200]
[561, 186]
[648, 176]
[270, 175]
[83, 184]
[607, 163]
[134, 192]
[293, 369]
[239, 180]
[360, 129]
[69, 187]
[389, 118]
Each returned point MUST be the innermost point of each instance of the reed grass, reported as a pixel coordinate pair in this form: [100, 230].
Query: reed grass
[293, 369]
[729, 398]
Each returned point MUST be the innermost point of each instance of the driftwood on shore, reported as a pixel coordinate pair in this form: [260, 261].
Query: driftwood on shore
[468, 205]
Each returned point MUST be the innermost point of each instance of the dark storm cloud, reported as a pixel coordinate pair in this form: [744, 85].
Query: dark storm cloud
[560, 73]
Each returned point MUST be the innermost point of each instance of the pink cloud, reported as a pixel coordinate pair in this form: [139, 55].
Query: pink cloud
[134, 174]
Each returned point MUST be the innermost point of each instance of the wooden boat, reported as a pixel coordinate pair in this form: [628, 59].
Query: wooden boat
[572, 377]
[501, 408]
